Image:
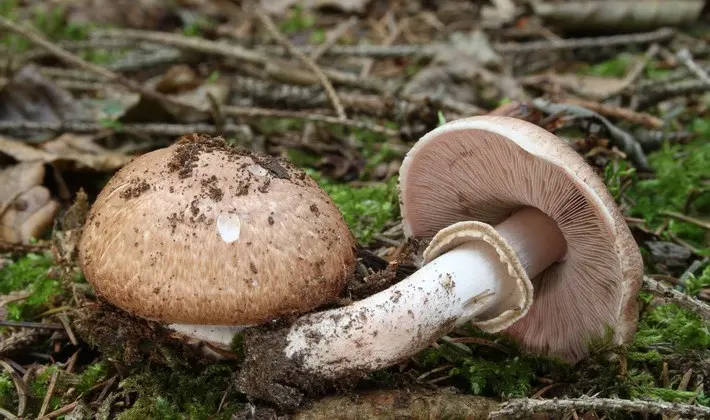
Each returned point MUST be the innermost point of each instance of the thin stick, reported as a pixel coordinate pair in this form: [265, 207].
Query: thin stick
[606, 110]
[274, 31]
[8, 414]
[332, 38]
[680, 216]
[27, 324]
[67, 327]
[525, 407]
[681, 299]
[687, 59]
[56, 413]
[48, 396]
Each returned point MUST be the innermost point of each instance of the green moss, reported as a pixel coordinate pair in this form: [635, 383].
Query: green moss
[7, 390]
[29, 273]
[680, 185]
[297, 20]
[693, 285]
[365, 209]
[509, 377]
[178, 394]
[615, 67]
[92, 375]
[50, 22]
[671, 327]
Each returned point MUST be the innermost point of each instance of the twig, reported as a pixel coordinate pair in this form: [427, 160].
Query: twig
[687, 59]
[20, 387]
[139, 128]
[48, 396]
[276, 34]
[14, 248]
[332, 38]
[8, 415]
[670, 295]
[395, 51]
[240, 54]
[525, 407]
[623, 140]
[643, 118]
[697, 222]
[27, 324]
[21, 340]
[664, 91]
[659, 35]
[67, 327]
[56, 413]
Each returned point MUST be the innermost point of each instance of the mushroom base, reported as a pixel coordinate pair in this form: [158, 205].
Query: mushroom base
[219, 335]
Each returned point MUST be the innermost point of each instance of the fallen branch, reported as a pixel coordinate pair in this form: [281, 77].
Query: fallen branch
[630, 115]
[620, 138]
[525, 407]
[88, 127]
[677, 298]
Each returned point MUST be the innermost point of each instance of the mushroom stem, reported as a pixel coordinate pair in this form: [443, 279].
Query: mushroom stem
[452, 289]
[535, 237]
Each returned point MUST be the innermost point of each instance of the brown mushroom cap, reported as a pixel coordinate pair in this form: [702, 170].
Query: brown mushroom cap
[202, 233]
[483, 169]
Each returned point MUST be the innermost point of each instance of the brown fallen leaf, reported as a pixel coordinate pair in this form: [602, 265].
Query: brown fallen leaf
[27, 208]
[587, 86]
[29, 96]
[188, 90]
[457, 67]
[67, 152]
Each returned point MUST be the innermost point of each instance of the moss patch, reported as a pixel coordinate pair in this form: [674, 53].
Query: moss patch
[30, 273]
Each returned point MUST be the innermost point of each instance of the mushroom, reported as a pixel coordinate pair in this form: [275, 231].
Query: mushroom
[525, 240]
[208, 239]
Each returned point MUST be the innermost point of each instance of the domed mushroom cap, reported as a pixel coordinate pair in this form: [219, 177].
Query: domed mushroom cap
[483, 169]
[202, 233]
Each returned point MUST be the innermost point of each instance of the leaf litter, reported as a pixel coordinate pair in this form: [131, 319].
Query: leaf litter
[404, 68]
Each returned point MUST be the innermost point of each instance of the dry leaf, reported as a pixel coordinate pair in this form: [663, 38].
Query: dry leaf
[502, 12]
[148, 109]
[29, 96]
[457, 65]
[28, 209]
[68, 151]
[624, 15]
[588, 86]
[281, 6]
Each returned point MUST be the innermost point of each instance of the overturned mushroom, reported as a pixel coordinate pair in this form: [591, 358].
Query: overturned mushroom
[208, 239]
[510, 208]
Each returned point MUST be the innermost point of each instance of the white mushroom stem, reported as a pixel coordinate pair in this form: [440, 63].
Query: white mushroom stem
[454, 288]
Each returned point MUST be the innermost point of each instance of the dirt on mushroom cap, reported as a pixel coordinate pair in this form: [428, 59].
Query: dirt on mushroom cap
[163, 254]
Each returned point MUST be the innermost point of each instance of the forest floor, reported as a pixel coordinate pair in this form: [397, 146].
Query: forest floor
[343, 91]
